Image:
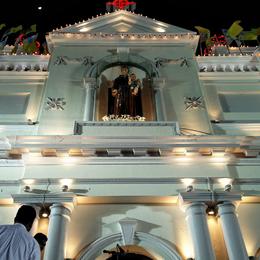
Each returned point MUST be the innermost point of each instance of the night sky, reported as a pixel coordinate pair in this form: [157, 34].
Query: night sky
[213, 14]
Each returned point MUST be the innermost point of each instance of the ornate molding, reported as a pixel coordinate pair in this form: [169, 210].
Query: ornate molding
[172, 37]
[228, 64]
[65, 60]
[193, 103]
[19, 63]
[65, 141]
[55, 103]
[78, 127]
[158, 245]
[182, 61]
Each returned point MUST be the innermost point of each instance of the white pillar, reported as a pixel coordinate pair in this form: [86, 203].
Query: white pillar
[198, 226]
[90, 91]
[58, 222]
[232, 233]
[158, 85]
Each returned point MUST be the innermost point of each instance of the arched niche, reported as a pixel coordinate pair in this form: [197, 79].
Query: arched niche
[104, 93]
[156, 246]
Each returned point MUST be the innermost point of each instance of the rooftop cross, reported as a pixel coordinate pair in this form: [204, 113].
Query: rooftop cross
[120, 4]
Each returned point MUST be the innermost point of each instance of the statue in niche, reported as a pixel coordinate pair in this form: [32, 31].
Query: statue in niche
[135, 96]
[126, 95]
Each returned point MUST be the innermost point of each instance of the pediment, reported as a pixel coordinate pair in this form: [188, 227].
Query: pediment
[122, 21]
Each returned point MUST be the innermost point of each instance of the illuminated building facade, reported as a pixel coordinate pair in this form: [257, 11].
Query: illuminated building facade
[167, 186]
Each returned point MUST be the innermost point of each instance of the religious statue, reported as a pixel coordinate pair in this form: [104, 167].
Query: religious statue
[126, 93]
[121, 93]
[135, 96]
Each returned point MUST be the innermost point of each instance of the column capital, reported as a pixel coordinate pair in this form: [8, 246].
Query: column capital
[227, 207]
[62, 198]
[208, 196]
[62, 209]
[159, 83]
[194, 207]
[89, 83]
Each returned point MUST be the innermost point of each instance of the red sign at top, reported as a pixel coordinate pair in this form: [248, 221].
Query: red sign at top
[120, 4]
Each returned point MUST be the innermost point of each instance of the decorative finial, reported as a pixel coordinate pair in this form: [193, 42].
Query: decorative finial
[121, 5]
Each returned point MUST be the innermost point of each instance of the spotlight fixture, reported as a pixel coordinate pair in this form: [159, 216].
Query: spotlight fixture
[27, 188]
[189, 188]
[211, 211]
[64, 188]
[44, 212]
[228, 187]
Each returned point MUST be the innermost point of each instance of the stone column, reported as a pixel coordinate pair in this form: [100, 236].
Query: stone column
[90, 93]
[232, 233]
[58, 223]
[158, 85]
[199, 231]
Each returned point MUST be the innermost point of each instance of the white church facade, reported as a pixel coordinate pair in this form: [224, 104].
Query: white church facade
[180, 181]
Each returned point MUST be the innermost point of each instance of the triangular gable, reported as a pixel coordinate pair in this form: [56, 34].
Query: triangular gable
[122, 21]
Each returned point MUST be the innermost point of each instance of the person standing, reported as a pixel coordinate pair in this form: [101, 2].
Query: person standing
[16, 243]
[42, 240]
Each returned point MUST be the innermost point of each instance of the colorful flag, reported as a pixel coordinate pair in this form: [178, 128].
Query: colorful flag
[29, 44]
[2, 26]
[248, 36]
[256, 31]
[12, 30]
[230, 39]
[16, 29]
[235, 29]
[204, 33]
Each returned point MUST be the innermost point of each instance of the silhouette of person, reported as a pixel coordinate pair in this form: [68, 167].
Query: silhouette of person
[15, 240]
[41, 239]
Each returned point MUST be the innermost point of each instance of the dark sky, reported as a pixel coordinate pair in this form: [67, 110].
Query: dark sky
[212, 14]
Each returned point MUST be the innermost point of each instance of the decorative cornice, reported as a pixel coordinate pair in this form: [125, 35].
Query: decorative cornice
[25, 63]
[101, 181]
[228, 64]
[127, 39]
[68, 141]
